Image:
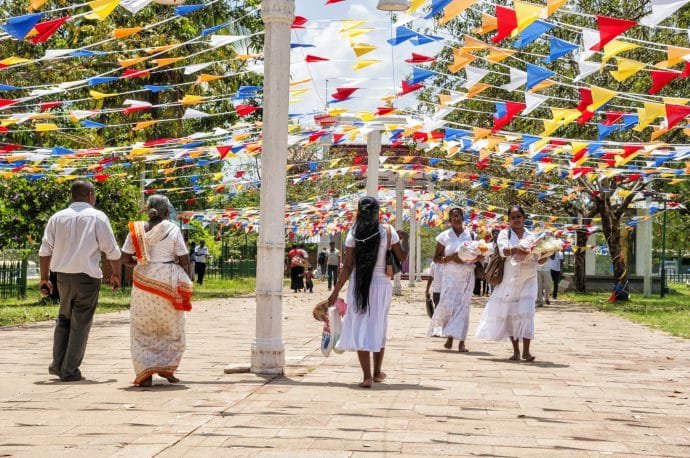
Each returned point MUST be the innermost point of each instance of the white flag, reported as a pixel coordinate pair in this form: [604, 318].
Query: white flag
[194, 114]
[474, 75]
[222, 40]
[517, 78]
[661, 9]
[586, 68]
[189, 69]
[533, 101]
[134, 6]
[589, 38]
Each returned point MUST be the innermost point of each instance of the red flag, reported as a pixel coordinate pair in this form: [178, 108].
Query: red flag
[223, 150]
[7, 102]
[337, 137]
[507, 22]
[610, 28]
[298, 22]
[47, 29]
[612, 117]
[407, 87]
[342, 93]
[676, 113]
[512, 109]
[661, 78]
[330, 2]
[686, 72]
[310, 58]
[419, 59]
[629, 150]
[381, 111]
[245, 110]
[159, 141]
[48, 105]
[131, 73]
[585, 101]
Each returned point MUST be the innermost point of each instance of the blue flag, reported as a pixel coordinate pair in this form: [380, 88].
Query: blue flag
[559, 48]
[535, 75]
[532, 32]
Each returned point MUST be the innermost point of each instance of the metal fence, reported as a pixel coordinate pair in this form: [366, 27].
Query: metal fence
[677, 277]
[13, 278]
[235, 261]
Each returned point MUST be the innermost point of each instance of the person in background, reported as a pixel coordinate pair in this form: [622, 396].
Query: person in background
[161, 293]
[200, 254]
[297, 263]
[192, 260]
[452, 316]
[543, 284]
[509, 313]
[435, 280]
[333, 264]
[555, 268]
[322, 261]
[309, 280]
[370, 290]
[71, 247]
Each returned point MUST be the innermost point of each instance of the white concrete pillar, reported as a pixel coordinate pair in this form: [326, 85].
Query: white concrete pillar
[268, 349]
[373, 153]
[419, 252]
[412, 260]
[643, 248]
[399, 195]
[590, 257]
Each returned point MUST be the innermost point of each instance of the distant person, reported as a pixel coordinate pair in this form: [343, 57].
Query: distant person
[555, 267]
[323, 261]
[543, 284]
[333, 262]
[200, 254]
[298, 261]
[160, 295]
[435, 281]
[192, 260]
[309, 280]
[71, 247]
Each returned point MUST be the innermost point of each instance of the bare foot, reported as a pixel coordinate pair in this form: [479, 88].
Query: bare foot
[462, 348]
[528, 357]
[380, 377]
[172, 379]
[147, 382]
[366, 383]
[449, 343]
[515, 357]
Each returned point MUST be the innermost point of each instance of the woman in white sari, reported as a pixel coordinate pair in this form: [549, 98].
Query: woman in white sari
[161, 293]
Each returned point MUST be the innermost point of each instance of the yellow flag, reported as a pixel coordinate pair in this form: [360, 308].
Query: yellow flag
[416, 4]
[472, 44]
[12, 61]
[352, 33]
[649, 113]
[600, 96]
[158, 49]
[655, 134]
[297, 83]
[626, 68]
[675, 100]
[443, 99]
[349, 24]
[477, 89]
[362, 63]
[163, 62]
[527, 13]
[542, 85]
[361, 49]
[480, 133]
[130, 62]
[489, 24]
[454, 8]
[461, 59]
[192, 99]
[100, 95]
[550, 126]
[206, 78]
[675, 56]
[553, 5]
[614, 48]
[143, 125]
[366, 116]
[36, 4]
[46, 127]
[337, 111]
[41, 116]
[122, 33]
[499, 54]
[101, 8]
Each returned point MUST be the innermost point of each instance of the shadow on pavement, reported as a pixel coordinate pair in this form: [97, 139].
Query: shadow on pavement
[537, 363]
[469, 353]
[354, 385]
[79, 382]
[177, 387]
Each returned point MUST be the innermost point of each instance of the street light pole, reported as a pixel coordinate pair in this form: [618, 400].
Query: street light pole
[663, 254]
[373, 153]
[268, 349]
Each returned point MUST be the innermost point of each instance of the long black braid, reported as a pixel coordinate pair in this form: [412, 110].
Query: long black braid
[367, 239]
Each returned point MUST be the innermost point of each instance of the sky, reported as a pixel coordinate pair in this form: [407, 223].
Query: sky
[323, 31]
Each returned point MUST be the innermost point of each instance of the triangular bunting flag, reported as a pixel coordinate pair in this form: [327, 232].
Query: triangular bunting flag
[610, 28]
[507, 22]
[661, 78]
[47, 29]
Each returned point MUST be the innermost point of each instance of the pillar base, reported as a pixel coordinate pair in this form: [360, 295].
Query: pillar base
[268, 356]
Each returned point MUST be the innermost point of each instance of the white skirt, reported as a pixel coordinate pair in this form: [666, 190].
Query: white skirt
[452, 316]
[367, 331]
[510, 309]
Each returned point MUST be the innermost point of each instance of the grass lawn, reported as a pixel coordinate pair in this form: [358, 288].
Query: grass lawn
[30, 309]
[670, 314]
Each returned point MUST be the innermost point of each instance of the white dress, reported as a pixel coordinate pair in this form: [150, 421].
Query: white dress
[367, 331]
[510, 309]
[452, 315]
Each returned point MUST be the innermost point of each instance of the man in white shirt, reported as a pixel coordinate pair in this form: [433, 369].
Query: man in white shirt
[543, 284]
[333, 261]
[72, 244]
[200, 254]
[555, 267]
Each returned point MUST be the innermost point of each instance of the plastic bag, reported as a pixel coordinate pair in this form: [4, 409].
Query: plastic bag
[336, 325]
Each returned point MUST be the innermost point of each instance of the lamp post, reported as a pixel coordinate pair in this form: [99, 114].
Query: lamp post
[663, 254]
[393, 5]
[268, 349]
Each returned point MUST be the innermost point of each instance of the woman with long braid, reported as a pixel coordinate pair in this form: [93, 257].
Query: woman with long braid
[370, 290]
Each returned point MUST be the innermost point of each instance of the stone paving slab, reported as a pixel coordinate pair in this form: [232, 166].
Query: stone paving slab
[600, 386]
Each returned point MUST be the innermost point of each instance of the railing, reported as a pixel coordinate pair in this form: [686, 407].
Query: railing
[13, 278]
[677, 277]
[233, 268]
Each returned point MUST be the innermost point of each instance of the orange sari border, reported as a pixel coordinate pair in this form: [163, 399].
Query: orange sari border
[160, 370]
[180, 301]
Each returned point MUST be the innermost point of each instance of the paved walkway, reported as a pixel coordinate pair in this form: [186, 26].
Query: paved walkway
[600, 386]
